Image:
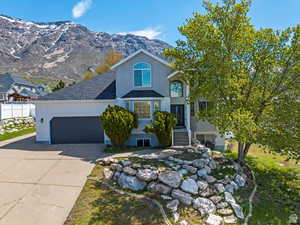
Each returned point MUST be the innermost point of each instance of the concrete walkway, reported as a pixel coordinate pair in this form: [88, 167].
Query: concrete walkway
[39, 184]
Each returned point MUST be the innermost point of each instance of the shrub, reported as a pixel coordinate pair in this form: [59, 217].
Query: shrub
[118, 124]
[162, 126]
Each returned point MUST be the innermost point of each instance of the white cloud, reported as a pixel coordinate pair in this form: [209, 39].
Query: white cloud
[151, 32]
[81, 7]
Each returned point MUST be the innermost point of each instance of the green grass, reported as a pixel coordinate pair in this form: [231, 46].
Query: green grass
[278, 193]
[7, 136]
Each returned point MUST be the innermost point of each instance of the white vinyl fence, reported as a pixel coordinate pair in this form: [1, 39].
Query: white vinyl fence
[13, 110]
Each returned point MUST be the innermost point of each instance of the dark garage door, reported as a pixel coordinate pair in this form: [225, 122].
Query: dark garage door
[74, 130]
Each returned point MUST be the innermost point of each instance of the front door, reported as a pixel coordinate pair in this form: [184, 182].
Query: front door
[178, 111]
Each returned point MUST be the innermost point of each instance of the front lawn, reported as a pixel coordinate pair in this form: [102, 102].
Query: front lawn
[278, 193]
[7, 135]
[98, 205]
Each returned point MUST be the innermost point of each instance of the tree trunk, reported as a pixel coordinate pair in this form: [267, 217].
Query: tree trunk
[243, 151]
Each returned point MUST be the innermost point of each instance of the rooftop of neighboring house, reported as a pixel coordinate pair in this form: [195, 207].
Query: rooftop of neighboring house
[8, 80]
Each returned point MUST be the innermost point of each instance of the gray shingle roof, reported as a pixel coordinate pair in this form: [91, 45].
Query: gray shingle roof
[7, 80]
[142, 94]
[100, 87]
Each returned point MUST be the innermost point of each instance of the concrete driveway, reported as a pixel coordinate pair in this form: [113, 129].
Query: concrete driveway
[39, 184]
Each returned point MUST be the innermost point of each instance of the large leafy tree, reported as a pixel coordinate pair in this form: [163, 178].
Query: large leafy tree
[251, 77]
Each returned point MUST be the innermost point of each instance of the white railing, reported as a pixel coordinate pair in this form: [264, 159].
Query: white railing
[16, 109]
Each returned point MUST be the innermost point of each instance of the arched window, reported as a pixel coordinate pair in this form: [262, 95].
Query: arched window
[176, 88]
[142, 75]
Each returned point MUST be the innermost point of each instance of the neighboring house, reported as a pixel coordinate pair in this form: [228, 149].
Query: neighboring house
[141, 83]
[13, 88]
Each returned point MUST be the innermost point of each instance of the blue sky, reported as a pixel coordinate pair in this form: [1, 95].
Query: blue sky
[152, 18]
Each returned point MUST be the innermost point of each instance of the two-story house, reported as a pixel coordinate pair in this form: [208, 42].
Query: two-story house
[14, 88]
[142, 83]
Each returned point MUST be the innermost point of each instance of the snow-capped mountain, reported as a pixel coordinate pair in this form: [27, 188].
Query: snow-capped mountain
[61, 50]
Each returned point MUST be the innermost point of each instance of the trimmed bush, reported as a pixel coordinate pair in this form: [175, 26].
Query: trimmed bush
[162, 126]
[118, 124]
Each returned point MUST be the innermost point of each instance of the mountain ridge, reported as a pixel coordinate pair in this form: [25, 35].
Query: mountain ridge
[62, 49]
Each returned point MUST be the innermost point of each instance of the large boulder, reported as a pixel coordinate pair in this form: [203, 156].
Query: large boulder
[128, 170]
[204, 205]
[239, 180]
[203, 185]
[146, 175]
[189, 185]
[214, 220]
[159, 188]
[173, 205]
[171, 178]
[229, 198]
[199, 163]
[130, 182]
[108, 174]
[237, 210]
[183, 197]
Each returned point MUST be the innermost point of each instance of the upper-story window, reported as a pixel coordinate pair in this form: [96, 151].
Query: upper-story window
[142, 75]
[176, 88]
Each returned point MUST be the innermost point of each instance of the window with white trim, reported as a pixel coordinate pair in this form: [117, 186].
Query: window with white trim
[142, 75]
[142, 109]
[143, 142]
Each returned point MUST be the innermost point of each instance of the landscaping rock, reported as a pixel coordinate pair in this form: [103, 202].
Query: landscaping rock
[204, 205]
[216, 198]
[117, 175]
[128, 170]
[166, 197]
[146, 175]
[210, 179]
[229, 198]
[108, 174]
[203, 172]
[212, 164]
[173, 205]
[159, 188]
[171, 178]
[130, 182]
[183, 172]
[237, 210]
[220, 187]
[175, 216]
[190, 169]
[190, 186]
[136, 165]
[183, 197]
[214, 220]
[203, 185]
[116, 167]
[239, 180]
[194, 177]
[126, 162]
[222, 205]
[230, 219]
[207, 193]
[225, 212]
[199, 163]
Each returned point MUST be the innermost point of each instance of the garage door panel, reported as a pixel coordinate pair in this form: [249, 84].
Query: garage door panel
[76, 130]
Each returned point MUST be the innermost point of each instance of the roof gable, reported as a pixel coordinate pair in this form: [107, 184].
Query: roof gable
[101, 87]
[144, 52]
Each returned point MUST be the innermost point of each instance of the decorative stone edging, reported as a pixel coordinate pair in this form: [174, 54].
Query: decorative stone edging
[138, 196]
[251, 197]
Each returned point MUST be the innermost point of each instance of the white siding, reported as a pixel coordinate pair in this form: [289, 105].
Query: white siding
[46, 111]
